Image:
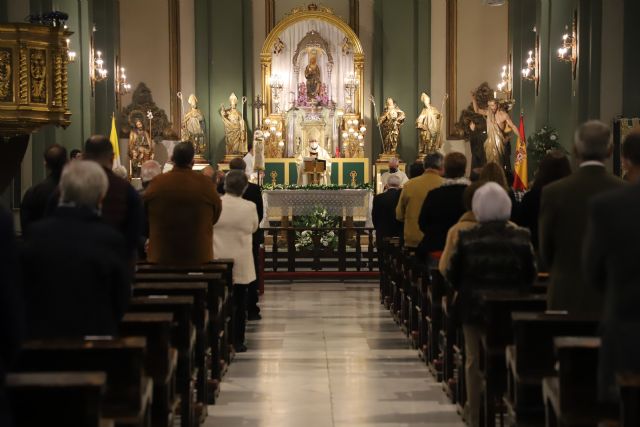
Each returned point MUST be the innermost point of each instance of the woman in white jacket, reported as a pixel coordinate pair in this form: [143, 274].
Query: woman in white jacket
[232, 239]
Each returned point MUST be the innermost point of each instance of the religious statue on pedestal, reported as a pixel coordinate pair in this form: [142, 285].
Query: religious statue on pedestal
[313, 75]
[390, 121]
[235, 131]
[193, 127]
[497, 147]
[429, 125]
[141, 147]
[313, 151]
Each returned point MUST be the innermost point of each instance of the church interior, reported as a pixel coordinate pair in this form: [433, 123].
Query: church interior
[337, 213]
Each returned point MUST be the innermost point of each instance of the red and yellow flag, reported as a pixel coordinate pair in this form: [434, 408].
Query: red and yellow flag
[521, 175]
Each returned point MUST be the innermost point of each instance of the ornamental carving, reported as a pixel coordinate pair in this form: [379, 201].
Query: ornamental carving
[6, 87]
[278, 46]
[38, 74]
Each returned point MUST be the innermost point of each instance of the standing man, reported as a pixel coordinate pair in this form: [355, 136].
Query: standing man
[383, 212]
[610, 265]
[182, 207]
[393, 170]
[413, 195]
[563, 221]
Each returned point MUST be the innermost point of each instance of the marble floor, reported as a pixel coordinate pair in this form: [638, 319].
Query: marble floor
[328, 354]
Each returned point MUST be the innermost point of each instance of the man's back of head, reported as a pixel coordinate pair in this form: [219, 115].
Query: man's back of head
[433, 161]
[592, 141]
[183, 154]
[631, 155]
[149, 170]
[455, 165]
[98, 148]
[394, 181]
[237, 164]
[55, 157]
[83, 184]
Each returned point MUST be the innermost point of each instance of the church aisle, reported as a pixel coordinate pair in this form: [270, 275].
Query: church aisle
[325, 355]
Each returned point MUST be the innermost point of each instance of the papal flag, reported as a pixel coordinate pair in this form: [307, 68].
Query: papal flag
[521, 175]
[114, 142]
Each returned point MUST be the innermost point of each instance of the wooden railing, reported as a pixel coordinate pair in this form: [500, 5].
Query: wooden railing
[353, 250]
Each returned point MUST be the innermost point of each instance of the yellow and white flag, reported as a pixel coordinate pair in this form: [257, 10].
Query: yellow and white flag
[114, 142]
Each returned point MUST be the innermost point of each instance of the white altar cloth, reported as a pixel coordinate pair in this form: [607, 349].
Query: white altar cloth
[343, 203]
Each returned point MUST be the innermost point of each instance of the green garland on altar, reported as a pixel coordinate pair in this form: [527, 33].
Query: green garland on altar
[269, 186]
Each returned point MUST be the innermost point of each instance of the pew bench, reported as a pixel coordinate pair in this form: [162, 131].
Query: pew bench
[629, 384]
[70, 399]
[531, 358]
[128, 392]
[161, 361]
[570, 398]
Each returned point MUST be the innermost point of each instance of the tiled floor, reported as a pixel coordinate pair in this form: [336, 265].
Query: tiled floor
[328, 354]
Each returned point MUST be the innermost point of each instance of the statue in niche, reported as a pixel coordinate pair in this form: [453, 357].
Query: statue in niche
[312, 75]
[142, 100]
[141, 147]
[193, 127]
[235, 131]
[428, 124]
[390, 121]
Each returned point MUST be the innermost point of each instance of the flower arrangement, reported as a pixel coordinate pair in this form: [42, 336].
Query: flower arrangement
[304, 101]
[542, 141]
[319, 218]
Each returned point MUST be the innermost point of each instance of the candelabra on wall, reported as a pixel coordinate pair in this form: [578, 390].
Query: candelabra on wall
[97, 70]
[531, 71]
[504, 87]
[568, 51]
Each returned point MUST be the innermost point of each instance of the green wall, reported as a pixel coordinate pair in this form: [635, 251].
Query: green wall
[631, 73]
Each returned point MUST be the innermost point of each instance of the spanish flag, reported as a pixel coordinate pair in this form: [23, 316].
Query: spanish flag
[521, 175]
[114, 142]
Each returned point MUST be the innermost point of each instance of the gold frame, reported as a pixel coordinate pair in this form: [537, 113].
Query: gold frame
[298, 15]
[174, 63]
[270, 16]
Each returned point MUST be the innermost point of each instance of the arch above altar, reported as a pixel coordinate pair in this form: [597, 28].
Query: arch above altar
[287, 51]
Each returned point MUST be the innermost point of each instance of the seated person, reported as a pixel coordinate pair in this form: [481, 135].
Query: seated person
[74, 265]
[313, 151]
[393, 170]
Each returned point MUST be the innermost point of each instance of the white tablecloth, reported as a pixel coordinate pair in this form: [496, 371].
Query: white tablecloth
[343, 203]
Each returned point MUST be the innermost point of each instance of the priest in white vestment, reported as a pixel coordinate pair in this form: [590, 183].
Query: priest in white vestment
[314, 150]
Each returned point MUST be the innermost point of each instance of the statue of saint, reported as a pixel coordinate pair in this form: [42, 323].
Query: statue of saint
[429, 125]
[497, 147]
[313, 150]
[235, 131]
[390, 121]
[141, 147]
[193, 126]
[313, 75]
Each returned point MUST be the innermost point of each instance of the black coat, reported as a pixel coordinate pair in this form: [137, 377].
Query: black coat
[441, 209]
[36, 200]
[383, 214]
[528, 212]
[75, 275]
[490, 256]
[253, 193]
[610, 264]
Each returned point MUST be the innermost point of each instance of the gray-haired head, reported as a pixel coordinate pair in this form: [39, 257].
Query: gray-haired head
[393, 162]
[491, 203]
[149, 170]
[235, 182]
[592, 141]
[434, 161]
[83, 183]
[394, 181]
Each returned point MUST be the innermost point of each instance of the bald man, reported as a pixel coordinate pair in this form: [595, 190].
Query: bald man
[393, 170]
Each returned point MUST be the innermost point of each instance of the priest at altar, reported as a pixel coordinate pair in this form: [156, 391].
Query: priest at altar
[313, 150]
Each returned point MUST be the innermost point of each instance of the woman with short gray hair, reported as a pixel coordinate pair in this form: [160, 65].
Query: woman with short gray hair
[232, 236]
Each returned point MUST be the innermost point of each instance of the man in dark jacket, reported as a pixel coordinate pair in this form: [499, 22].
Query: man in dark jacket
[253, 193]
[76, 281]
[610, 265]
[383, 212]
[36, 199]
[563, 221]
[443, 206]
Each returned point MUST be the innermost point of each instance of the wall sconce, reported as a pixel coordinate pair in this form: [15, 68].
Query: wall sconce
[531, 71]
[504, 87]
[568, 51]
[351, 84]
[97, 71]
[276, 88]
[71, 54]
[122, 86]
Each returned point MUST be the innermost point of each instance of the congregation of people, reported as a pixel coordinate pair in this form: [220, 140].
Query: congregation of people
[579, 227]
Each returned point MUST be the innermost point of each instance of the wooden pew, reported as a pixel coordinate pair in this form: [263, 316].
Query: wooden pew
[200, 320]
[128, 393]
[436, 291]
[570, 398]
[161, 360]
[531, 357]
[450, 343]
[70, 399]
[497, 333]
[629, 384]
[184, 338]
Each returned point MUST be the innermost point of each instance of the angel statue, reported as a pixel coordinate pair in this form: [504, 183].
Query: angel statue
[390, 121]
[193, 126]
[235, 131]
[141, 146]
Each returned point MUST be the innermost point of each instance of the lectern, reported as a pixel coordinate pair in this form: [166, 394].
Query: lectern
[314, 168]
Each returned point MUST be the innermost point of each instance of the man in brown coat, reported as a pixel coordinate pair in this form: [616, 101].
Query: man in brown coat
[182, 207]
